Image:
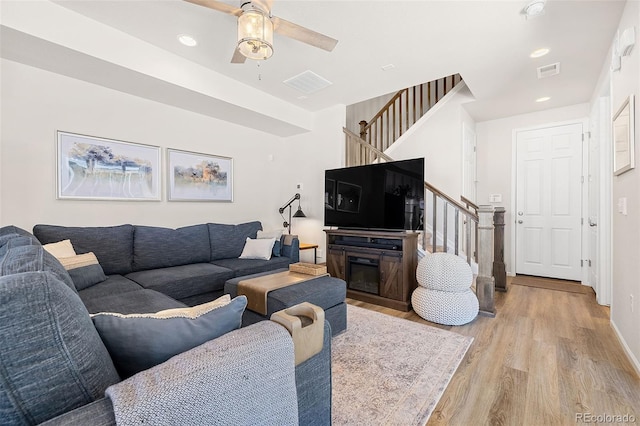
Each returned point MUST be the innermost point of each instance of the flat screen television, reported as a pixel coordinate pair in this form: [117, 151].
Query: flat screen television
[384, 196]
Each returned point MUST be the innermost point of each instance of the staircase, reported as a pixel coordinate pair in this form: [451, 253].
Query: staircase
[458, 227]
[403, 110]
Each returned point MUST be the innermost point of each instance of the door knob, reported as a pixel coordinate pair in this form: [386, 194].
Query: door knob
[520, 221]
[591, 223]
[520, 213]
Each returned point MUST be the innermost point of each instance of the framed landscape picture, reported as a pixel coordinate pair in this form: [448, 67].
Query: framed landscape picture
[92, 168]
[199, 177]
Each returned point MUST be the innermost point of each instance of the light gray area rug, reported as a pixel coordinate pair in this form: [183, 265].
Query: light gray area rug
[391, 371]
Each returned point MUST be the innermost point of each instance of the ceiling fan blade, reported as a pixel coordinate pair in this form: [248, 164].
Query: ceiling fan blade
[238, 58]
[305, 35]
[218, 5]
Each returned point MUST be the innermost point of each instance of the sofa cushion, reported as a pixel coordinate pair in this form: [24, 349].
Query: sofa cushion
[83, 269]
[133, 302]
[155, 247]
[4, 239]
[137, 342]
[17, 241]
[183, 281]
[52, 359]
[33, 259]
[112, 245]
[10, 229]
[227, 241]
[253, 266]
[114, 284]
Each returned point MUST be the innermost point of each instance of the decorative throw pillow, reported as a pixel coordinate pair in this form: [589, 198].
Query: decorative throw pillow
[83, 269]
[137, 342]
[258, 248]
[277, 234]
[60, 249]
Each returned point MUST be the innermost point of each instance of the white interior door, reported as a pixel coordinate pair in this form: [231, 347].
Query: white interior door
[549, 202]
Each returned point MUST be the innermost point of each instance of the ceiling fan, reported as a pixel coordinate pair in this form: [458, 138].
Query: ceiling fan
[256, 26]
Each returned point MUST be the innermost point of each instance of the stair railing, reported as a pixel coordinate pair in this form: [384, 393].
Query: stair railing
[358, 152]
[472, 230]
[402, 111]
[465, 224]
[468, 203]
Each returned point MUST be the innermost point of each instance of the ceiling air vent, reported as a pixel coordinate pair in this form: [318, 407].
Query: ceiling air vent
[549, 70]
[307, 82]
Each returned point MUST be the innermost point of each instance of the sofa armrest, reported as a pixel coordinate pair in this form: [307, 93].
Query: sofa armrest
[97, 413]
[291, 249]
[313, 387]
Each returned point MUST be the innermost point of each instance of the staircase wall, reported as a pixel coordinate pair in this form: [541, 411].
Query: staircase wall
[437, 137]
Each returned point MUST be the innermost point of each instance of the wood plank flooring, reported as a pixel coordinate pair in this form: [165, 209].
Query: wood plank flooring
[545, 358]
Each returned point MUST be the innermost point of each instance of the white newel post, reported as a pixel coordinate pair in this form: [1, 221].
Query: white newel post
[485, 283]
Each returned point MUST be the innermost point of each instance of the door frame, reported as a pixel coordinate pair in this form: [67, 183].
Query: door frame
[583, 208]
[467, 179]
[605, 222]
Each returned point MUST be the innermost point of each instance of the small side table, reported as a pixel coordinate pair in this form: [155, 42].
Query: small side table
[307, 246]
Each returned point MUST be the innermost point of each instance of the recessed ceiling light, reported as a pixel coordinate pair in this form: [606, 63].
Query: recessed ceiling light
[534, 8]
[187, 40]
[543, 99]
[539, 53]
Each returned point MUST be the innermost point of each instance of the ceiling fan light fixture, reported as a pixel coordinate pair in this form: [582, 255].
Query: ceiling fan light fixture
[255, 34]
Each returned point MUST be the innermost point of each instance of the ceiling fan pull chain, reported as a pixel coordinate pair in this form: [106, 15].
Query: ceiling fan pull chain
[259, 75]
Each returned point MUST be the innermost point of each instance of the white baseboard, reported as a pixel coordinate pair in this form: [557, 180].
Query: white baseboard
[627, 350]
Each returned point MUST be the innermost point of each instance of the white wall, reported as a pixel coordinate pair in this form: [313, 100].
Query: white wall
[36, 103]
[307, 157]
[626, 228]
[495, 157]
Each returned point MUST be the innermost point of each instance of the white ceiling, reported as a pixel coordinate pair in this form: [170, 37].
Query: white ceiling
[487, 42]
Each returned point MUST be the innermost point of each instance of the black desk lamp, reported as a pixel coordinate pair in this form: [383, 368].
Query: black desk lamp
[298, 213]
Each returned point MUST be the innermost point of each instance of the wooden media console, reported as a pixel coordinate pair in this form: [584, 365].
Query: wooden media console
[378, 266]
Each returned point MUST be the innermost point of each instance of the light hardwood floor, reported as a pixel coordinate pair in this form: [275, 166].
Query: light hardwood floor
[546, 357]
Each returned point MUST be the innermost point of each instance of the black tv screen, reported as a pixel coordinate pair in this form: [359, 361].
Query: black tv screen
[376, 196]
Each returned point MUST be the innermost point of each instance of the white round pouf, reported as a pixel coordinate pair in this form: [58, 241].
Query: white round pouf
[443, 307]
[445, 272]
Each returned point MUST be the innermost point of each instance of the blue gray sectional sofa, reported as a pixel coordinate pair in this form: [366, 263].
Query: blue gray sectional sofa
[189, 264]
[54, 367]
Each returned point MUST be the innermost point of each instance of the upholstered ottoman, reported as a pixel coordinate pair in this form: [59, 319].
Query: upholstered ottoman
[444, 293]
[326, 292]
